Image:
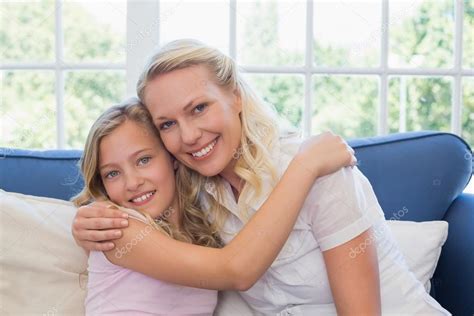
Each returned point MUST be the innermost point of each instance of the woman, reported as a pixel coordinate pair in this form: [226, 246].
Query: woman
[206, 113]
[125, 163]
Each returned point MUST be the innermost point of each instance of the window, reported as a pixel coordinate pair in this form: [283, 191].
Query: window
[360, 68]
[63, 63]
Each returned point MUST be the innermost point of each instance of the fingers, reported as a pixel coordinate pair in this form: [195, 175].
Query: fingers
[350, 149]
[99, 223]
[100, 209]
[98, 246]
[84, 235]
[353, 162]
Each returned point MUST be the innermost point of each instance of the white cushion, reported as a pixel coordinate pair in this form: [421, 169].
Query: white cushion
[420, 243]
[42, 269]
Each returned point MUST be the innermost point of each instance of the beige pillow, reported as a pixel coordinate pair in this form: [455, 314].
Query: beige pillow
[42, 268]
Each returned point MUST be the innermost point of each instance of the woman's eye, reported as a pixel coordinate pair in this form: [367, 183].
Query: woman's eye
[111, 174]
[166, 125]
[199, 108]
[144, 160]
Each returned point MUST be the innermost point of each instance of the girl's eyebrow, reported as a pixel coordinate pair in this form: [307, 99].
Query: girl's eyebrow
[132, 155]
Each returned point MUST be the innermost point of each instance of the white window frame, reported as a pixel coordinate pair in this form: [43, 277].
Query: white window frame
[309, 70]
[59, 67]
[143, 34]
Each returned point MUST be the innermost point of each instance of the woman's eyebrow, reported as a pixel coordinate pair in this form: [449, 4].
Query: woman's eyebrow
[190, 103]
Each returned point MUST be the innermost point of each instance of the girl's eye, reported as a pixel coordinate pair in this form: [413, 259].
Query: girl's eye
[144, 160]
[200, 108]
[111, 174]
[166, 125]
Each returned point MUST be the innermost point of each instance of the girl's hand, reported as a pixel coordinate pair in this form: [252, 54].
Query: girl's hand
[325, 153]
[93, 226]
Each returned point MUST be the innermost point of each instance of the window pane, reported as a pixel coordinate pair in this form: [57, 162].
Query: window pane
[347, 33]
[418, 103]
[28, 110]
[468, 34]
[207, 21]
[26, 31]
[345, 105]
[284, 92]
[468, 111]
[271, 32]
[421, 33]
[94, 31]
[88, 94]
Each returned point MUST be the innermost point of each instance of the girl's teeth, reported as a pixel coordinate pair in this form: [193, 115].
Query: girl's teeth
[143, 197]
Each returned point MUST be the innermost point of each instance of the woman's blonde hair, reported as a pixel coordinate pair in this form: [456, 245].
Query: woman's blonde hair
[195, 227]
[259, 129]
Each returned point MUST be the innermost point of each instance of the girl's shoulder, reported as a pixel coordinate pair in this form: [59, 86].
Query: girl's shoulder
[134, 214]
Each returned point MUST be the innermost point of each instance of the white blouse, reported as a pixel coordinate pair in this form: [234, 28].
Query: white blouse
[338, 208]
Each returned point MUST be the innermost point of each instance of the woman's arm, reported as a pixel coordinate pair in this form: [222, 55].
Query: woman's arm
[242, 262]
[354, 281]
[236, 266]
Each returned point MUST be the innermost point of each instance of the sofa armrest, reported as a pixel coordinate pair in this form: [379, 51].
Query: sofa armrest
[453, 280]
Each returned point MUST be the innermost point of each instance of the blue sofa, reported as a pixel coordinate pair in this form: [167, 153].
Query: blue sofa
[425, 172]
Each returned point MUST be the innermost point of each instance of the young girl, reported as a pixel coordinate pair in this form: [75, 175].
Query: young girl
[340, 256]
[124, 162]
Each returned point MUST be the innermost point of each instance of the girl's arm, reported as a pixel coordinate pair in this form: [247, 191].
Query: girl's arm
[244, 260]
[354, 281]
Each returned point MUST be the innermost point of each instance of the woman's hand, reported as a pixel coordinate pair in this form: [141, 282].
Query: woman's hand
[325, 153]
[96, 224]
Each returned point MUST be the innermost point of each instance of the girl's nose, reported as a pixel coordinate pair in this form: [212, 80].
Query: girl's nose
[134, 182]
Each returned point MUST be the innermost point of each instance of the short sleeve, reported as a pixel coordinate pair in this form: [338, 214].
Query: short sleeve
[341, 207]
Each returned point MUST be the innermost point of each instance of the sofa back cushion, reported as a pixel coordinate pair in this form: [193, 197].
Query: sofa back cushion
[415, 175]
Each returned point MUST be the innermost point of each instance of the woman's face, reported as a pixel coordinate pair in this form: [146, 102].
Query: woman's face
[137, 172]
[198, 120]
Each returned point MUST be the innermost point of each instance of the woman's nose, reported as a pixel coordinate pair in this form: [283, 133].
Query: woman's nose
[190, 133]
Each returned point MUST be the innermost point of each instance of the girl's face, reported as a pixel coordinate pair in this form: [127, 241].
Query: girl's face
[198, 120]
[137, 172]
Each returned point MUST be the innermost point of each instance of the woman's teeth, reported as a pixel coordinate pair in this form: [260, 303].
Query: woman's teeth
[205, 150]
[143, 197]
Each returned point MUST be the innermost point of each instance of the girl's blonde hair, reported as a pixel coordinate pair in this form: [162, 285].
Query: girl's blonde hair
[259, 129]
[195, 227]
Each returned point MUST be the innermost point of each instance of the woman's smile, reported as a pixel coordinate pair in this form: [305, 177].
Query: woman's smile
[205, 151]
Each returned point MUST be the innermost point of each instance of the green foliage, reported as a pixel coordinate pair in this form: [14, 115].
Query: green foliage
[345, 104]
[284, 92]
[28, 109]
[87, 39]
[27, 31]
[88, 94]
[428, 103]
[27, 112]
[260, 43]
[426, 40]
